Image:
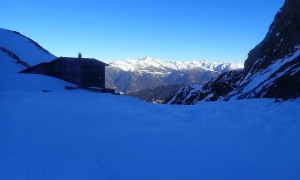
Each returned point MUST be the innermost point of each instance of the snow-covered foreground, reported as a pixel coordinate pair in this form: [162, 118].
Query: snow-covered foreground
[83, 135]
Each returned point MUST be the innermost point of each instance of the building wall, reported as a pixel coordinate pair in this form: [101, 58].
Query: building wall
[84, 76]
[93, 76]
[66, 70]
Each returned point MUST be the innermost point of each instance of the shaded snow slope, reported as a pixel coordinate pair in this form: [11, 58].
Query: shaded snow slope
[84, 135]
[10, 63]
[31, 83]
[47, 132]
[11, 80]
[23, 47]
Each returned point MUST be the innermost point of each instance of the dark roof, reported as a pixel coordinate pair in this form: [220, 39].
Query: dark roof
[83, 61]
[87, 62]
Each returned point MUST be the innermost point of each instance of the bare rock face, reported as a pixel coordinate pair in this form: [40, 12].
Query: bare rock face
[272, 69]
[214, 90]
[275, 63]
[283, 36]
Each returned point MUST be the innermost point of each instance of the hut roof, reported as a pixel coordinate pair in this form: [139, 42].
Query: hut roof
[83, 61]
[86, 62]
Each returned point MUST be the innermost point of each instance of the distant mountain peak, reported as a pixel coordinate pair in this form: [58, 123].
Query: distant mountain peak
[145, 64]
[146, 58]
[148, 72]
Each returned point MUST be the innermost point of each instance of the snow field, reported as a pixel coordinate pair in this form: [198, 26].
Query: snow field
[84, 135]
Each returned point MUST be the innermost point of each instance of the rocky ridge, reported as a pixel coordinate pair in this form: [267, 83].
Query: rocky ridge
[272, 69]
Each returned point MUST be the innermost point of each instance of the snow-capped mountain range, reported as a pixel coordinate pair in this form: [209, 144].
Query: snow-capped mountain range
[146, 73]
[162, 67]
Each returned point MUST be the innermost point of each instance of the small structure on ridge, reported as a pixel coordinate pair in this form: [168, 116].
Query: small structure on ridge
[85, 72]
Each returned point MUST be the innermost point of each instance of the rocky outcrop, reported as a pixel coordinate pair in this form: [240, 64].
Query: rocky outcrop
[16, 60]
[272, 69]
[216, 89]
[280, 41]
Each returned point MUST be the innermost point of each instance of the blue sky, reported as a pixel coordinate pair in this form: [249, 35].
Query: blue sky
[219, 30]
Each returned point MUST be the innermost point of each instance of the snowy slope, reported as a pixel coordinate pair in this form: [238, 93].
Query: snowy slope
[47, 132]
[10, 63]
[11, 80]
[24, 48]
[18, 52]
[83, 135]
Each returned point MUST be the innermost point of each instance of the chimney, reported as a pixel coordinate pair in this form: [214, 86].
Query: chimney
[79, 55]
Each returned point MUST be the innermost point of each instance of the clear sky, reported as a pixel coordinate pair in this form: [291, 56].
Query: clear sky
[218, 30]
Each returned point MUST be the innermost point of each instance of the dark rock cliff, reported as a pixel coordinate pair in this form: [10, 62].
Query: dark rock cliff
[215, 89]
[283, 36]
[274, 64]
[272, 69]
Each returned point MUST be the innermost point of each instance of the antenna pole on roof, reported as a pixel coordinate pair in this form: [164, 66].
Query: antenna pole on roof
[79, 55]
